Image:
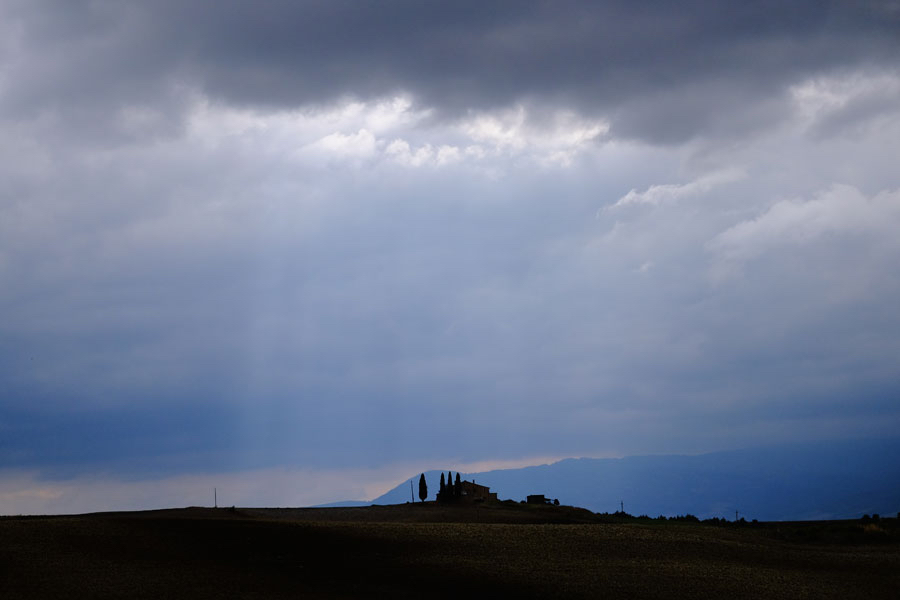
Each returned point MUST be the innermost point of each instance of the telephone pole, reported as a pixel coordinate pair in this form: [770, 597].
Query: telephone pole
[411, 497]
[622, 505]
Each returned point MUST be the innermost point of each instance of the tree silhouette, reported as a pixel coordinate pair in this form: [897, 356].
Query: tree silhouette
[457, 486]
[441, 489]
[423, 488]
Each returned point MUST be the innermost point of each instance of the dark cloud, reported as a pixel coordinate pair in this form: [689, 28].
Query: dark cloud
[193, 277]
[688, 65]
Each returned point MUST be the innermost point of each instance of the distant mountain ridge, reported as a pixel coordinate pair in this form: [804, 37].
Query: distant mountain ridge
[824, 480]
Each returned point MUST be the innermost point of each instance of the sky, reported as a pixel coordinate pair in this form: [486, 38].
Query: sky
[300, 251]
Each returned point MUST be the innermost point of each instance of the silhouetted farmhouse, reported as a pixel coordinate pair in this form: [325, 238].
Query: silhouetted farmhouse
[464, 492]
[476, 492]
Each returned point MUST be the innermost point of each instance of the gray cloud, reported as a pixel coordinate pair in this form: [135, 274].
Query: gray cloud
[330, 234]
[664, 72]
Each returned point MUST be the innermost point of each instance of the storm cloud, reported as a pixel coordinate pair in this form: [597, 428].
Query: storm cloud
[267, 237]
[666, 73]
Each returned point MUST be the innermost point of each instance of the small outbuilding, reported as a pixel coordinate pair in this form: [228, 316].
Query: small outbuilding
[538, 499]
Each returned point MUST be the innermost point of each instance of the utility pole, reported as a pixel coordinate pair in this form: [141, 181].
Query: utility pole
[735, 516]
[622, 504]
[411, 497]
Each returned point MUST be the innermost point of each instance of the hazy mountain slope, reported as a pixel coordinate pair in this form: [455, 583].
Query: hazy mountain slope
[344, 504]
[801, 481]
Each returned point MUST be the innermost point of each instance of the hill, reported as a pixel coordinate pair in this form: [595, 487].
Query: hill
[433, 551]
[836, 480]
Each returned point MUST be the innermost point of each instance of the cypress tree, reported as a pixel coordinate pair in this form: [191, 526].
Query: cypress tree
[423, 488]
[449, 483]
[441, 491]
[457, 486]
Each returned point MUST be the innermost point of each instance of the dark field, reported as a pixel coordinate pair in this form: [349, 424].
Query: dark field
[437, 551]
